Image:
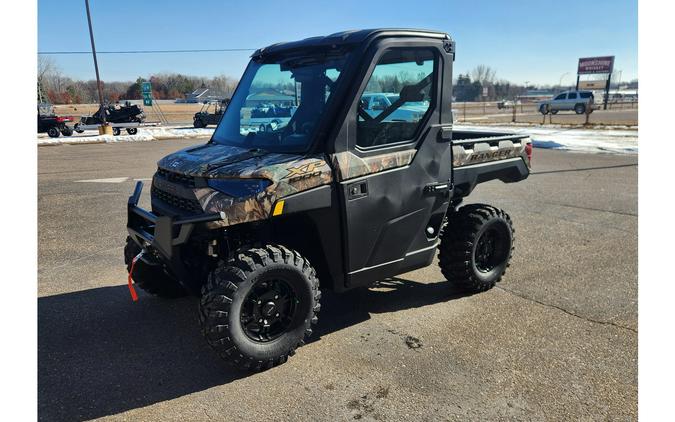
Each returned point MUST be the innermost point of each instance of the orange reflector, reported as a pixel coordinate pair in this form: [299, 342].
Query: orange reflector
[278, 208]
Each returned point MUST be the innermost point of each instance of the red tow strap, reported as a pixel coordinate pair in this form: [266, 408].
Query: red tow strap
[134, 296]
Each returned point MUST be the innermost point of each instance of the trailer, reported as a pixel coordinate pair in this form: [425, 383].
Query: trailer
[131, 128]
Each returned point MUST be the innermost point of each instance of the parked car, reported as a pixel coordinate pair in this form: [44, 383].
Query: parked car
[507, 103]
[375, 103]
[577, 101]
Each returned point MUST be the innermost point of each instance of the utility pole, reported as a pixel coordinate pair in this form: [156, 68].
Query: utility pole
[104, 128]
[609, 81]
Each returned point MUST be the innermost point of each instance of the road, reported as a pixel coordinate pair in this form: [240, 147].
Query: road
[556, 340]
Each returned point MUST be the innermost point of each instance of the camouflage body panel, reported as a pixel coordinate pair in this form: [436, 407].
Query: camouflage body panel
[483, 152]
[288, 174]
[348, 165]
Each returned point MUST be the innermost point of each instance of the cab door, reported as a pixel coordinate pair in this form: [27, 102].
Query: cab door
[394, 176]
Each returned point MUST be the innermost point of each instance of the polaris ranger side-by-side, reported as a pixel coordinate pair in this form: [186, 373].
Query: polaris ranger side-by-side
[256, 222]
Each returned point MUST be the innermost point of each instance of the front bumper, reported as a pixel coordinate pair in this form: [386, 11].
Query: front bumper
[162, 233]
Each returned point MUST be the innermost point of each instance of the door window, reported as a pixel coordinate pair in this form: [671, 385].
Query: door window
[572, 96]
[400, 91]
[560, 97]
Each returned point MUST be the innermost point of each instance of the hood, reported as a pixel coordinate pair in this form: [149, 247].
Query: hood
[217, 161]
[289, 174]
[224, 161]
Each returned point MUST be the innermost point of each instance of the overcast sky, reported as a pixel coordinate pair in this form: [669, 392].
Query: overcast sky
[536, 41]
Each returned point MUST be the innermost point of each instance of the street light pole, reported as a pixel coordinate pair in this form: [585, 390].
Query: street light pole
[93, 51]
[561, 78]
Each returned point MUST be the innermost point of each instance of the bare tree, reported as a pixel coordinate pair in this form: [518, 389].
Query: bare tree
[483, 74]
[45, 66]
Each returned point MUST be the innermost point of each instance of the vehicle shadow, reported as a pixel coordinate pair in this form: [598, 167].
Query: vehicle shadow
[100, 354]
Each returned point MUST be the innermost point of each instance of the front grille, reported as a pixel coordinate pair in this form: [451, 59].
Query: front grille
[181, 179]
[190, 205]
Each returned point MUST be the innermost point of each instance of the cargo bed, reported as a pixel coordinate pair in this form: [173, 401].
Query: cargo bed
[479, 157]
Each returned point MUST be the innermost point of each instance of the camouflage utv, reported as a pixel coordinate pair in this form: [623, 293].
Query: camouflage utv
[256, 223]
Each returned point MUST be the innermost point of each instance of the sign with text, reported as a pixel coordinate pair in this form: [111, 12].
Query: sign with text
[590, 65]
[146, 87]
[593, 85]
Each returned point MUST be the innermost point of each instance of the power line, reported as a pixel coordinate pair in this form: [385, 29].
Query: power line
[213, 50]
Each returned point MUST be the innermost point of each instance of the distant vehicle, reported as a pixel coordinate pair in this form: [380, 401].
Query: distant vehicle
[577, 101]
[507, 103]
[211, 113]
[54, 125]
[127, 113]
[268, 118]
[375, 103]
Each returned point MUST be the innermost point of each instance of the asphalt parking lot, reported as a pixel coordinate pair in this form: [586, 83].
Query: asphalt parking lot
[556, 340]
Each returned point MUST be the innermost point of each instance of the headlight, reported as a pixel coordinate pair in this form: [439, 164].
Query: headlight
[239, 188]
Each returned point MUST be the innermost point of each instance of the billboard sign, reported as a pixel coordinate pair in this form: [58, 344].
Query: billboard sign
[590, 65]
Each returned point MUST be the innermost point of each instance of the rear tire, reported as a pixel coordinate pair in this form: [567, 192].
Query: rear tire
[53, 132]
[151, 278]
[476, 247]
[554, 111]
[580, 108]
[132, 130]
[67, 131]
[258, 308]
[199, 123]
[116, 131]
[77, 128]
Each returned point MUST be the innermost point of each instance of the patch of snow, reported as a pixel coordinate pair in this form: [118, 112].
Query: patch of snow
[571, 139]
[144, 134]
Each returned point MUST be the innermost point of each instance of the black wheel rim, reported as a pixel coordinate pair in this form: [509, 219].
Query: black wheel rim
[268, 310]
[491, 250]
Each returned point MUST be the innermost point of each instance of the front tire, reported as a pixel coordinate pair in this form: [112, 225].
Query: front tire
[476, 247]
[258, 308]
[580, 108]
[116, 131]
[132, 130]
[53, 132]
[67, 131]
[151, 278]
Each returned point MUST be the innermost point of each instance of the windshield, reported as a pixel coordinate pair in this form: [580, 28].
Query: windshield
[277, 105]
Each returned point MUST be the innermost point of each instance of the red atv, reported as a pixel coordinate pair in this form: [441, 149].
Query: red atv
[51, 123]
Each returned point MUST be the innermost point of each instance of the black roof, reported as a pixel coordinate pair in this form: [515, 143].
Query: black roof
[347, 37]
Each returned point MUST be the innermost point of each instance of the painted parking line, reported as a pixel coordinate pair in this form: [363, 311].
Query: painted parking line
[115, 180]
[109, 180]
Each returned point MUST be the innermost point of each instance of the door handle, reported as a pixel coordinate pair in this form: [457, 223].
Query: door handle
[357, 190]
